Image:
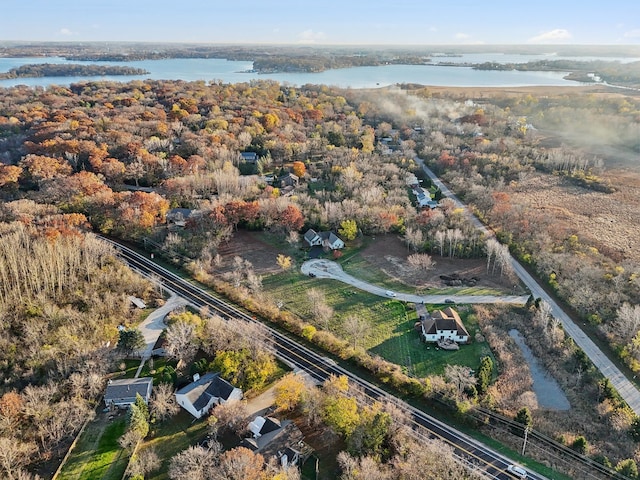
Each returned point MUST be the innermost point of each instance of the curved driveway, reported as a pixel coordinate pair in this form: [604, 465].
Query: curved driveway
[625, 388]
[327, 269]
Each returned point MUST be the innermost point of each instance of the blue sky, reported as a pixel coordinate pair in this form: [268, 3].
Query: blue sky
[396, 22]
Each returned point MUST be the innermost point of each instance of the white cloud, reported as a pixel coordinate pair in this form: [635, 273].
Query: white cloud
[462, 36]
[632, 33]
[557, 35]
[65, 31]
[309, 36]
[433, 29]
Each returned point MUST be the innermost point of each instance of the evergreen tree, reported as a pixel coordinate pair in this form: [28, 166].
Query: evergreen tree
[484, 374]
[130, 341]
[523, 417]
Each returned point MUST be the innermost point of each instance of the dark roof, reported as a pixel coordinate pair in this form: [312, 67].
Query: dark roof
[270, 425]
[124, 390]
[207, 386]
[310, 235]
[185, 212]
[275, 436]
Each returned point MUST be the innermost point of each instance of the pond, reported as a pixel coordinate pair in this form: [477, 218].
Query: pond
[547, 390]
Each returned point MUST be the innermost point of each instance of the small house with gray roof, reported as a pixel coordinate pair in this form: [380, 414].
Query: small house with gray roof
[327, 240]
[204, 392]
[122, 392]
[277, 440]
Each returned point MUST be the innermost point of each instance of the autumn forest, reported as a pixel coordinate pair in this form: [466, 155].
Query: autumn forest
[115, 158]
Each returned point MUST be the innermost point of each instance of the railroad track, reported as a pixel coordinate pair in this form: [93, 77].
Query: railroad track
[468, 450]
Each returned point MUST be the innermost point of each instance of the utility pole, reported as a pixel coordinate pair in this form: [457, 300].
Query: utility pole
[526, 433]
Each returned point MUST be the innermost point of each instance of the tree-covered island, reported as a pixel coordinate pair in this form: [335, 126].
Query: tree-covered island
[69, 70]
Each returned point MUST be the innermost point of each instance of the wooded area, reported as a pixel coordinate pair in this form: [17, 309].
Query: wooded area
[118, 157]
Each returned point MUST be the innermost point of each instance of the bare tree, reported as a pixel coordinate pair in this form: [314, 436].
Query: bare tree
[440, 238]
[144, 462]
[163, 403]
[363, 468]
[456, 237]
[356, 329]
[14, 454]
[194, 463]
[503, 258]
[130, 439]
[293, 238]
[414, 238]
[626, 324]
[181, 343]
[432, 459]
[492, 245]
[420, 261]
[231, 416]
[321, 311]
[460, 376]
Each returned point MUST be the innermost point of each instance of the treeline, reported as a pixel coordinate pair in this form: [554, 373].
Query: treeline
[63, 294]
[69, 70]
[320, 63]
[609, 71]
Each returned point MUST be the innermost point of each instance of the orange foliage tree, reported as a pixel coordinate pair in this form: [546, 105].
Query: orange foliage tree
[299, 169]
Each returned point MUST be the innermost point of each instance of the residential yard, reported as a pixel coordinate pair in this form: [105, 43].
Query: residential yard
[395, 339]
[392, 334]
[97, 455]
[171, 437]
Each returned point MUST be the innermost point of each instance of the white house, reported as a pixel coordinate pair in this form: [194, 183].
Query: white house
[423, 197]
[204, 392]
[325, 239]
[122, 392]
[444, 325]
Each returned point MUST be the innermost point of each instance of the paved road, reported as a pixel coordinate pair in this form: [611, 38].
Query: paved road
[327, 269]
[490, 463]
[625, 388]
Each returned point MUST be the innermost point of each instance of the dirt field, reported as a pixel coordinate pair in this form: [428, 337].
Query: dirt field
[249, 246]
[389, 254]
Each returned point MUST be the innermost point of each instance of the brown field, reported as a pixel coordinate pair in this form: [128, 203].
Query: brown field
[539, 91]
[388, 254]
[610, 222]
[250, 246]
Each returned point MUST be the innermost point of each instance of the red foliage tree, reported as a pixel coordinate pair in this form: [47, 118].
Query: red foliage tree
[291, 219]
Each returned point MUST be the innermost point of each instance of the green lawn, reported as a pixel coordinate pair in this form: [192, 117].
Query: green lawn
[396, 340]
[97, 455]
[392, 334]
[171, 437]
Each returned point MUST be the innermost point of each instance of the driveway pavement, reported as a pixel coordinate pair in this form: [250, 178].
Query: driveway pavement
[153, 325]
[322, 268]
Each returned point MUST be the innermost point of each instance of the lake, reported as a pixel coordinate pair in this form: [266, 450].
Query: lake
[356, 77]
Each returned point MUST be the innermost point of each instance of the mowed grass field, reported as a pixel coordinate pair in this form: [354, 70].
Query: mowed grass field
[171, 437]
[392, 335]
[97, 455]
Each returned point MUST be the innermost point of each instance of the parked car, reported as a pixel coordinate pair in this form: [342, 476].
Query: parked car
[448, 300]
[517, 471]
[391, 294]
